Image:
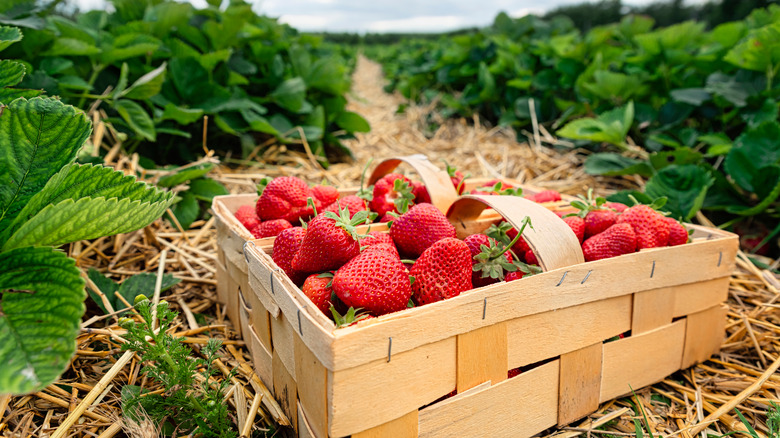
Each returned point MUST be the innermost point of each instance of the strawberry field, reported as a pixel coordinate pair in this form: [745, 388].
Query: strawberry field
[212, 224]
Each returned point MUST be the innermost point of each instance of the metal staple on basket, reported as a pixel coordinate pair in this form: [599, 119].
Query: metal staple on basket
[243, 249]
[586, 277]
[561, 282]
[300, 327]
[484, 308]
[272, 280]
[389, 348]
[652, 270]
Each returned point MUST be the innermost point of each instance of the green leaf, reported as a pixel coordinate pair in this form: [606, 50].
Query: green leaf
[137, 117]
[183, 116]
[106, 285]
[352, 122]
[8, 36]
[766, 113]
[205, 189]
[35, 131]
[290, 94]
[41, 304]
[759, 52]
[186, 210]
[11, 73]
[184, 175]
[752, 150]
[189, 78]
[147, 85]
[128, 46]
[141, 284]
[121, 83]
[684, 187]
[728, 88]
[767, 184]
[71, 47]
[610, 127]
[611, 164]
[624, 197]
[692, 96]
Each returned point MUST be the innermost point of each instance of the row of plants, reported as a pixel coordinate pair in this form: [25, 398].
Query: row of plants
[157, 67]
[701, 104]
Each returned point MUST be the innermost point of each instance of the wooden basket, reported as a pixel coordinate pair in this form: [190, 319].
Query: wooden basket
[387, 376]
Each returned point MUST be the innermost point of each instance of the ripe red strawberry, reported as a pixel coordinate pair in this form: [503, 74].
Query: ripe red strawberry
[521, 246]
[512, 276]
[597, 221]
[530, 258]
[247, 216]
[378, 238]
[616, 240]
[475, 242]
[285, 197]
[330, 241]
[545, 196]
[420, 193]
[350, 202]
[419, 228]
[678, 234]
[577, 224]
[617, 206]
[326, 194]
[456, 177]
[375, 281]
[442, 271]
[652, 230]
[286, 245]
[387, 193]
[270, 228]
[318, 287]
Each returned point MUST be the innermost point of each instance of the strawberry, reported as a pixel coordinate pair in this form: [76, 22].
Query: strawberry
[577, 224]
[505, 233]
[326, 194]
[475, 242]
[378, 238]
[530, 258]
[318, 287]
[330, 241]
[456, 177]
[419, 228]
[351, 202]
[442, 271]
[617, 206]
[286, 245]
[420, 193]
[678, 234]
[285, 197]
[391, 191]
[616, 240]
[597, 221]
[652, 231]
[270, 228]
[545, 196]
[512, 276]
[375, 281]
[247, 216]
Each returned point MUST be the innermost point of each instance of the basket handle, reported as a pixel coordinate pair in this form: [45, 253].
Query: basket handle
[551, 239]
[437, 182]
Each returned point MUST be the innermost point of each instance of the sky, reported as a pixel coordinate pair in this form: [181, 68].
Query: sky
[381, 16]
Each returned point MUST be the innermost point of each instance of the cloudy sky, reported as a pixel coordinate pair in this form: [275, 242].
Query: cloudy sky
[389, 15]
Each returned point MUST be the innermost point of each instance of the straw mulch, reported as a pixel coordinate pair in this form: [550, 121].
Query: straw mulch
[86, 400]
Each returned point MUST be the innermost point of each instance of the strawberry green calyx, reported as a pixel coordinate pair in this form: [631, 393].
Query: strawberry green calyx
[310, 203]
[587, 204]
[350, 317]
[366, 193]
[498, 189]
[349, 225]
[405, 195]
[262, 184]
[500, 232]
[492, 261]
[327, 275]
[655, 205]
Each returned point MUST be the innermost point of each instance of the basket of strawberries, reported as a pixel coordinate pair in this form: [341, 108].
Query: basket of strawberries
[503, 315]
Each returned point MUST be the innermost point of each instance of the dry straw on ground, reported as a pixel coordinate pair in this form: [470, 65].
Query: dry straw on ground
[698, 400]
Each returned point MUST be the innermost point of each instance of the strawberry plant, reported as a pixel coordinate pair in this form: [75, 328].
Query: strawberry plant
[46, 201]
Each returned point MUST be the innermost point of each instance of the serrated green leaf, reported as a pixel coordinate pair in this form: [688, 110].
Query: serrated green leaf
[205, 189]
[39, 130]
[137, 117]
[759, 52]
[752, 150]
[692, 96]
[8, 36]
[611, 164]
[87, 218]
[11, 73]
[147, 85]
[10, 94]
[290, 94]
[186, 210]
[41, 304]
[767, 183]
[352, 122]
[183, 116]
[130, 45]
[71, 47]
[184, 175]
[684, 187]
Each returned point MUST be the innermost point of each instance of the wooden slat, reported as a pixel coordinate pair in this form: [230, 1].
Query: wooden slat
[482, 356]
[232, 305]
[704, 334]
[222, 283]
[641, 360]
[312, 382]
[304, 428]
[436, 180]
[283, 339]
[261, 358]
[258, 317]
[702, 295]
[285, 389]
[243, 314]
[404, 427]
[583, 283]
[233, 232]
[260, 290]
[409, 380]
[518, 407]
[545, 335]
[652, 309]
[579, 383]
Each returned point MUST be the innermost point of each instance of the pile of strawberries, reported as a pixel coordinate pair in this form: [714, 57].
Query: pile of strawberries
[351, 276]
